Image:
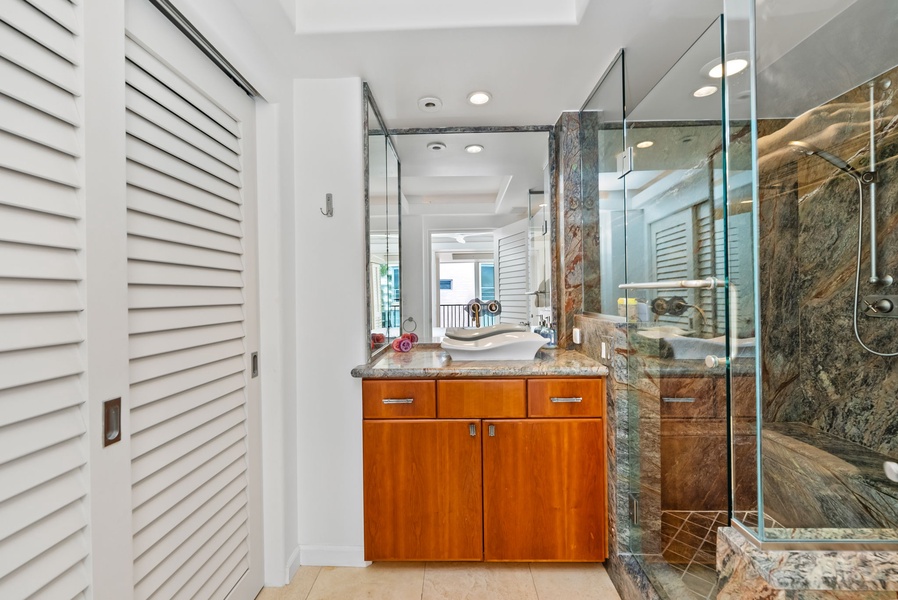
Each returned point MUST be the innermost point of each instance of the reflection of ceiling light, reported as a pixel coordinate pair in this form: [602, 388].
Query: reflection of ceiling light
[430, 104]
[543, 205]
[436, 146]
[474, 149]
[733, 66]
[704, 91]
[460, 238]
[645, 144]
[479, 97]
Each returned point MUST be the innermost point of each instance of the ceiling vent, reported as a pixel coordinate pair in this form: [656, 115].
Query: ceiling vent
[430, 104]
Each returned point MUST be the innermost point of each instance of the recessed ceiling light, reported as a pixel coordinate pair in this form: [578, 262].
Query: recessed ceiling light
[479, 97]
[436, 146]
[733, 66]
[704, 91]
[474, 149]
[430, 104]
[645, 144]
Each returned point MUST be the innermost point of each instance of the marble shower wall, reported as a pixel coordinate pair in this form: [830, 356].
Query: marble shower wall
[815, 371]
[567, 249]
[625, 570]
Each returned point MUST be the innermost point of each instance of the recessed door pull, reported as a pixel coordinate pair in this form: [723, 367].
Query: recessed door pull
[492, 430]
[472, 429]
[566, 400]
[398, 400]
[679, 399]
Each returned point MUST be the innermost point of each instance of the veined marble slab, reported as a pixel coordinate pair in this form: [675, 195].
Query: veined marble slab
[745, 571]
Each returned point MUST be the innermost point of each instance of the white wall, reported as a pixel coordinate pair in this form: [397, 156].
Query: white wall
[331, 318]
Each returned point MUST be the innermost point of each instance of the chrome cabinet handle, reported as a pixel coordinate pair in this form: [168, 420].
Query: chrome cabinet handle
[472, 429]
[566, 400]
[679, 399]
[398, 400]
[492, 430]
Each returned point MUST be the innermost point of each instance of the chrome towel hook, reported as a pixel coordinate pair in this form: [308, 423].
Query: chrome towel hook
[329, 206]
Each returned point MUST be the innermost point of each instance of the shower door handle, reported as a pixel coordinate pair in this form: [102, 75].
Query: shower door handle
[709, 283]
[712, 361]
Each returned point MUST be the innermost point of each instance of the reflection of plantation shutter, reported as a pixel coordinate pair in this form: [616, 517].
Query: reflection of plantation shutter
[186, 313]
[672, 259]
[512, 280]
[43, 486]
[710, 264]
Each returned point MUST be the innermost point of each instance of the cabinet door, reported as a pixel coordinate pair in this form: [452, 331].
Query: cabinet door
[423, 490]
[544, 490]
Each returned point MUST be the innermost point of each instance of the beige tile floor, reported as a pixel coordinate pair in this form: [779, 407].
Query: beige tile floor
[448, 581]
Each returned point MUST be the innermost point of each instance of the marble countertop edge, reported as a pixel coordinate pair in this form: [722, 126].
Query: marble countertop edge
[429, 361]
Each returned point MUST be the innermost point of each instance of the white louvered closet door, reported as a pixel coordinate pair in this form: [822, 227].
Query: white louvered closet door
[195, 500]
[43, 449]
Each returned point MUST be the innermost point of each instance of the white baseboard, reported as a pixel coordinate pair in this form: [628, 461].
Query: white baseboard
[292, 565]
[333, 556]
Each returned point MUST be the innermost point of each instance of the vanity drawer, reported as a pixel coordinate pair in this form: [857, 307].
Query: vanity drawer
[568, 397]
[399, 399]
[481, 398]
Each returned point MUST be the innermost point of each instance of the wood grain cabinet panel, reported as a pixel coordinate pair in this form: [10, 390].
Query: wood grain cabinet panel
[399, 399]
[544, 490]
[566, 397]
[481, 398]
[423, 494]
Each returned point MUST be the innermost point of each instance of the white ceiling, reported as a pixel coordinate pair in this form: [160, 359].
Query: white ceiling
[533, 72]
[338, 16]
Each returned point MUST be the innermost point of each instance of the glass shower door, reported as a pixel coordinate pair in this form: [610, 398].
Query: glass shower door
[675, 306]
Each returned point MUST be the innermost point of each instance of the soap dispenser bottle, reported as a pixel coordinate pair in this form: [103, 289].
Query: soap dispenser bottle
[552, 335]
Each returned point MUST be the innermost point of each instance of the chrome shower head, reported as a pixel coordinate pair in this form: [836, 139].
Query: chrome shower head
[811, 150]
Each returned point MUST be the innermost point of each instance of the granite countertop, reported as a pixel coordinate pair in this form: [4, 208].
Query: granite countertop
[429, 361]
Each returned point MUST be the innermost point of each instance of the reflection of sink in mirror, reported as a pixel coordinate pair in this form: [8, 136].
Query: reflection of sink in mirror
[699, 348]
[518, 345]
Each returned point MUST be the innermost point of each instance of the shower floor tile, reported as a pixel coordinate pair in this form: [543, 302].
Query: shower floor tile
[689, 542]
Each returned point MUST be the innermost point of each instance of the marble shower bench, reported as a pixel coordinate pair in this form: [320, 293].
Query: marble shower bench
[813, 480]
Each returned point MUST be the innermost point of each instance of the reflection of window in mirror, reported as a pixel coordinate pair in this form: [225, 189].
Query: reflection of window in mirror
[383, 205]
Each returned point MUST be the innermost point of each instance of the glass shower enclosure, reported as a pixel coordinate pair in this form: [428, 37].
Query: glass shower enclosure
[754, 195]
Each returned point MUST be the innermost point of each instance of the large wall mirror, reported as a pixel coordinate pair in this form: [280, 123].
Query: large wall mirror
[383, 194]
[476, 225]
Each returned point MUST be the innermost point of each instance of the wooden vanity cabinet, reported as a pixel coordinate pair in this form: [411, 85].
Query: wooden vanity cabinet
[483, 481]
[544, 490]
[423, 490]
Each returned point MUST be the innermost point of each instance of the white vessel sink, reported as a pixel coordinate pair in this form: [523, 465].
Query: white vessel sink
[475, 333]
[516, 345]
